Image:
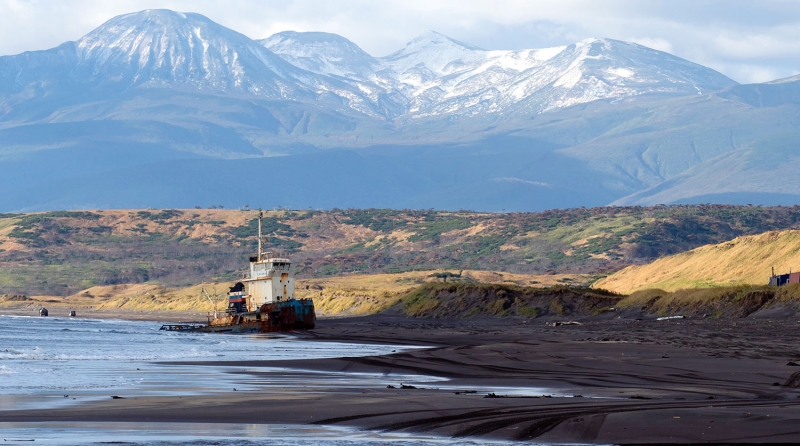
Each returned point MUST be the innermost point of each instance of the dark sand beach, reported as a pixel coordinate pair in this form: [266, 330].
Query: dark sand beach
[606, 381]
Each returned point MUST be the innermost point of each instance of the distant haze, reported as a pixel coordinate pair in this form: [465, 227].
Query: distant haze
[747, 41]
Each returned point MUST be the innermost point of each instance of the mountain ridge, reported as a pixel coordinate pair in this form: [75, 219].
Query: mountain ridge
[595, 122]
[438, 75]
[433, 75]
[55, 252]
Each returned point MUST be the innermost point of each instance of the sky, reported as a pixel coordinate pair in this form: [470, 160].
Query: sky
[749, 41]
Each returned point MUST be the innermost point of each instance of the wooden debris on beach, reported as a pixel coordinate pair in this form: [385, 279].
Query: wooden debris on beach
[557, 324]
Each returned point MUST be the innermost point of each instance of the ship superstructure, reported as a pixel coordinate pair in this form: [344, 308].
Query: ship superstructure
[270, 279]
[263, 301]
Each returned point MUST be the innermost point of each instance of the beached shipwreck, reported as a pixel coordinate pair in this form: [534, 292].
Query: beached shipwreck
[262, 302]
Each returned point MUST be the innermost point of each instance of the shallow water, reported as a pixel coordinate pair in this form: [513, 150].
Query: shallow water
[47, 362]
[55, 362]
[186, 434]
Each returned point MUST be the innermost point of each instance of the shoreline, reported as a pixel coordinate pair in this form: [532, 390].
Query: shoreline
[640, 381]
[128, 315]
[204, 433]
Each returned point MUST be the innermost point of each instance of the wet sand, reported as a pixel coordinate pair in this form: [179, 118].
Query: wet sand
[640, 382]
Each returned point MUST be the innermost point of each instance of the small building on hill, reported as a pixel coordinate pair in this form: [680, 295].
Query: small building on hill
[784, 279]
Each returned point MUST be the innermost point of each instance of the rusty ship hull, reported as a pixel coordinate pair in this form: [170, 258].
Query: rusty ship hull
[262, 302]
[295, 314]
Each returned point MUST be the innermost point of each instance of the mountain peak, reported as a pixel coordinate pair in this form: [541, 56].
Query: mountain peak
[149, 20]
[435, 54]
[157, 47]
[141, 30]
[323, 53]
[435, 38]
[307, 38]
[164, 14]
[130, 28]
[433, 41]
[432, 75]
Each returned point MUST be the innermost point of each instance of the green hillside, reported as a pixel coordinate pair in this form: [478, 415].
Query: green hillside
[61, 253]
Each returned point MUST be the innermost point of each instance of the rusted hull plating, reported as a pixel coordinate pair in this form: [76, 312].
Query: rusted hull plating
[281, 316]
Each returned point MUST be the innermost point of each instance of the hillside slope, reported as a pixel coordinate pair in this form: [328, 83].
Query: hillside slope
[62, 253]
[742, 261]
[691, 149]
[466, 300]
[333, 296]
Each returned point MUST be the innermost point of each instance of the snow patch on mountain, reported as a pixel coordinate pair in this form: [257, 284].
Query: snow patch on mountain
[167, 49]
[436, 75]
[323, 53]
[436, 54]
[433, 75]
[160, 47]
[443, 76]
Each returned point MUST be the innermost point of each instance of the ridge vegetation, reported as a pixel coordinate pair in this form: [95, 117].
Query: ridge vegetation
[62, 253]
[359, 294]
[449, 300]
[479, 294]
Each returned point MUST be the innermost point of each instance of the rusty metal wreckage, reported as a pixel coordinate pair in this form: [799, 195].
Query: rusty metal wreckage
[262, 302]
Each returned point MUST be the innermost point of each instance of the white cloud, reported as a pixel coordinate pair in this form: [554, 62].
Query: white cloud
[521, 181]
[745, 40]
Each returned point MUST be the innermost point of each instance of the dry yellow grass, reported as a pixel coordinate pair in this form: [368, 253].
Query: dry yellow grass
[139, 297]
[165, 299]
[341, 295]
[742, 261]
[368, 294]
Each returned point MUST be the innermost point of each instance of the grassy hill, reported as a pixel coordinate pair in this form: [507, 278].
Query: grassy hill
[62, 253]
[456, 300]
[744, 260]
[359, 294]
[423, 294]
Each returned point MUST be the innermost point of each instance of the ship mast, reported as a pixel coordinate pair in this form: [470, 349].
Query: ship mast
[260, 215]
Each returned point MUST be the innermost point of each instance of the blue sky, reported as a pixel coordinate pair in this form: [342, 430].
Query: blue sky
[749, 41]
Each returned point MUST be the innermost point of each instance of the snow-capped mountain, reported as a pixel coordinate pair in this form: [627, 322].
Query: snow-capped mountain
[323, 53]
[167, 49]
[334, 56]
[438, 75]
[150, 101]
[161, 48]
[436, 54]
[433, 75]
[476, 81]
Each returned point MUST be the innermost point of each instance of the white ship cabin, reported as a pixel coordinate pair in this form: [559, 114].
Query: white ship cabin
[271, 280]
